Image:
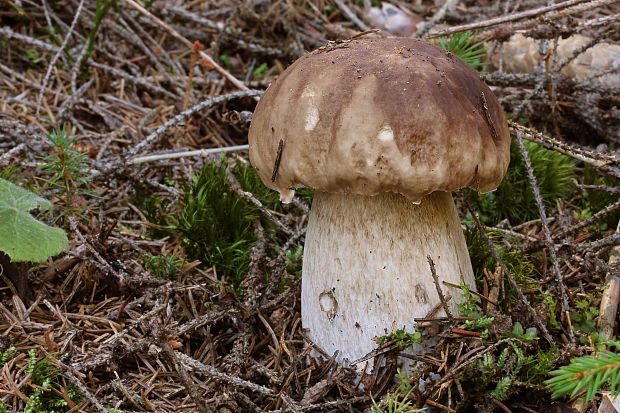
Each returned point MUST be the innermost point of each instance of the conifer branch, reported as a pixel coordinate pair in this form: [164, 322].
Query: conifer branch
[591, 372]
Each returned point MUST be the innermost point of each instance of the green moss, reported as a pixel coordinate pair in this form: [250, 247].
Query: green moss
[163, 267]
[251, 182]
[216, 225]
[537, 368]
[520, 265]
[555, 175]
[45, 375]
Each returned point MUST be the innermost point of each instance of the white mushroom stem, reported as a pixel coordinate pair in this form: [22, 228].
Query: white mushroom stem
[365, 268]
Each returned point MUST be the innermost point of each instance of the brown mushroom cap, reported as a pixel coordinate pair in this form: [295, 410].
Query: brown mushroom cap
[369, 116]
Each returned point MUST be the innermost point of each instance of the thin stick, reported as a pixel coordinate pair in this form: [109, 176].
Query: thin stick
[443, 300]
[57, 55]
[605, 188]
[488, 116]
[507, 274]
[594, 218]
[183, 115]
[214, 374]
[186, 154]
[68, 373]
[347, 12]
[601, 161]
[477, 294]
[236, 82]
[449, 4]
[548, 238]
[505, 19]
[613, 239]
[190, 386]
[104, 263]
[248, 196]
[455, 370]
[276, 164]
[609, 299]
[14, 151]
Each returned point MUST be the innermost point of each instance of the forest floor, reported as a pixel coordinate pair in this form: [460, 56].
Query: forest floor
[180, 287]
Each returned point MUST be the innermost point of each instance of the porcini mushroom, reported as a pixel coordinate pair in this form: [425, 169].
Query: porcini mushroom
[383, 130]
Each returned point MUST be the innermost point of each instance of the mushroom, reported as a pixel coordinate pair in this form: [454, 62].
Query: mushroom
[383, 130]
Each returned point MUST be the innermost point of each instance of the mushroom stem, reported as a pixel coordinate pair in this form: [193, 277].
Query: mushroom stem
[365, 268]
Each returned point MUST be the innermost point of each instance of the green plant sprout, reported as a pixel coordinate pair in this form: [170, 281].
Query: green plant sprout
[6, 355]
[259, 72]
[403, 338]
[588, 373]
[464, 46]
[552, 303]
[45, 376]
[293, 261]
[32, 55]
[584, 313]
[468, 306]
[101, 9]
[393, 404]
[502, 372]
[68, 168]
[224, 58]
[163, 267]
[526, 336]
[537, 368]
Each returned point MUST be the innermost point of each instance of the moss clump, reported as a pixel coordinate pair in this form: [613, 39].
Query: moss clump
[216, 225]
[519, 264]
[163, 267]
[46, 377]
[514, 199]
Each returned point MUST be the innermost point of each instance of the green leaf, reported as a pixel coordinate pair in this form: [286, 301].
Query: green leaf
[22, 237]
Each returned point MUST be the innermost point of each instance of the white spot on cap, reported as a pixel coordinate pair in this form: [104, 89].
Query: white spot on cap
[312, 117]
[386, 134]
